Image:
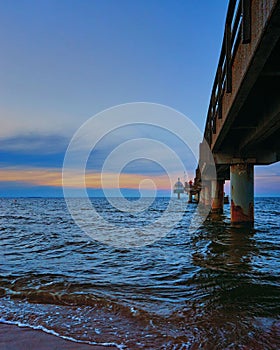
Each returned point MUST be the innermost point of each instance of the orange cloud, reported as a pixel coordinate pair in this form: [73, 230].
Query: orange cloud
[32, 176]
[53, 177]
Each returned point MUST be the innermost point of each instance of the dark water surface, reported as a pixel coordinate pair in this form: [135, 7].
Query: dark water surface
[217, 288]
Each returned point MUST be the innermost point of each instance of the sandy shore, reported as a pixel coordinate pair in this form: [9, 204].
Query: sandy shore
[24, 338]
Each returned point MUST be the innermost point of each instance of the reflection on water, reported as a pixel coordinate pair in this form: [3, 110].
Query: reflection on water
[229, 249]
[216, 288]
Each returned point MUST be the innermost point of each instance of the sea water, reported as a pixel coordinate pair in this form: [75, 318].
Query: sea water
[213, 288]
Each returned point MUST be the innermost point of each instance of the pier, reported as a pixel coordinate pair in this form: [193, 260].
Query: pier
[243, 121]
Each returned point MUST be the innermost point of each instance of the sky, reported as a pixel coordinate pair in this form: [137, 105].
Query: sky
[62, 62]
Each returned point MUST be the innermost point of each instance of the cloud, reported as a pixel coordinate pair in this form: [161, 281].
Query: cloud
[33, 150]
[141, 148]
[53, 178]
[48, 150]
[34, 144]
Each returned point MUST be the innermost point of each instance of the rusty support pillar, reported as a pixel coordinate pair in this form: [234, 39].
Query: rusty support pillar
[218, 197]
[197, 197]
[190, 186]
[202, 196]
[242, 194]
[207, 193]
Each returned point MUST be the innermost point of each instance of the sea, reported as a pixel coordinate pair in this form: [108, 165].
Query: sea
[215, 287]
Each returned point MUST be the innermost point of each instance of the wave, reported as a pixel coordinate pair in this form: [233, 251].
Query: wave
[52, 332]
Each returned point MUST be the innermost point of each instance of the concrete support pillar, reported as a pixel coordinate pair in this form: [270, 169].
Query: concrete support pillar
[202, 196]
[197, 197]
[218, 196]
[242, 194]
[207, 194]
[190, 187]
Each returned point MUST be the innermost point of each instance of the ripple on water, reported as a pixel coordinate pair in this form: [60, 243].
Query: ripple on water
[215, 288]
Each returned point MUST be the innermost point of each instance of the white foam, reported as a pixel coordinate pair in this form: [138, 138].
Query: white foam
[49, 331]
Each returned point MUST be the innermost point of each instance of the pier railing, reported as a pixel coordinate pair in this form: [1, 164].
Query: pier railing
[237, 30]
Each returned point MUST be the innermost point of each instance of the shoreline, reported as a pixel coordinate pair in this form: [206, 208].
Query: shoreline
[13, 337]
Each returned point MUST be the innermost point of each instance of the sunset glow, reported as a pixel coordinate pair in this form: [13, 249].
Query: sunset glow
[52, 177]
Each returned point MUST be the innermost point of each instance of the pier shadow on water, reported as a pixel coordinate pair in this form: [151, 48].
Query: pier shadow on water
[240, 294]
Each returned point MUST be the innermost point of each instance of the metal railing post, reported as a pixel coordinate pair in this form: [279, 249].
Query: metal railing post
[246, 21]
[228, 59]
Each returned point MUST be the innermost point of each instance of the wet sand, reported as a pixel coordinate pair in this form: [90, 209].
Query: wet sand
[24, 338]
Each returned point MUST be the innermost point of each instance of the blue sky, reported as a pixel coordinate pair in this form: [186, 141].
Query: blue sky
[63, 61]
